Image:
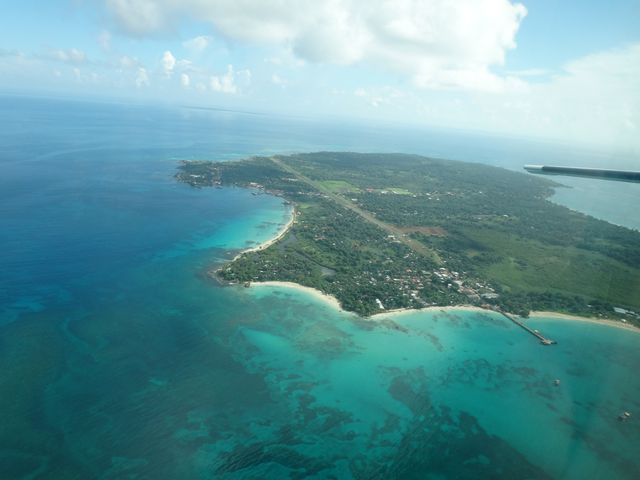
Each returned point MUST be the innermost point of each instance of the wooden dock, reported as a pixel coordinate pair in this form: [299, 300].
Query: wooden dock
[535, 333]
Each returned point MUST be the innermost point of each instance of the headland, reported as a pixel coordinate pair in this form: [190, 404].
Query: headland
[385, 233]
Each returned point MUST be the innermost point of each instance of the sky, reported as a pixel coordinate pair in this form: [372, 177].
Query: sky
[559, 70]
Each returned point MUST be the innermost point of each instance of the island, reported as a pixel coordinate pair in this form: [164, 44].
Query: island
[382, 232]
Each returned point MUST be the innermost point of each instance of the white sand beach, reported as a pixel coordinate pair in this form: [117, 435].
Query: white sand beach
[333, 301]
[404, 311]
[599, 321]
[467, 308]
[283, 231]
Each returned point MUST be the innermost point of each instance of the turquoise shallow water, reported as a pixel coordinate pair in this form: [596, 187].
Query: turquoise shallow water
[120, 358]
[394, 389]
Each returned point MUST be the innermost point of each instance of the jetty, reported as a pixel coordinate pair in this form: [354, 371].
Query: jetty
[535, 333]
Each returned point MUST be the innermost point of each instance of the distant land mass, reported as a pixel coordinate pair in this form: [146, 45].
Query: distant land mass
[382, 232]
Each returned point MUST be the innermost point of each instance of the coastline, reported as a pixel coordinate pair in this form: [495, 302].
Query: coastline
[445, 308]
[267, 243]
[333, 301]
[576, 318]
[552, 316]
[314, 292]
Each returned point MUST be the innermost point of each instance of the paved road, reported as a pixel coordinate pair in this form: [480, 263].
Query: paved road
[415, 245]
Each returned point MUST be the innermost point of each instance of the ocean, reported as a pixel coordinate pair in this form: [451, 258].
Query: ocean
[121, 358]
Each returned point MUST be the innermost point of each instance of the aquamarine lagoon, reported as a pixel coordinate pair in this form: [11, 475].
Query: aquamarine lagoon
[121, 357]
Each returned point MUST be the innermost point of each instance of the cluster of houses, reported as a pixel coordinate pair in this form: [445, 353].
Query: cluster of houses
[410, 283]
[474, 291]
[626, 312]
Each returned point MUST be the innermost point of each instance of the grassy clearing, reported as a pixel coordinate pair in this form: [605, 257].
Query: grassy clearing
[338, 186]
[528, 265]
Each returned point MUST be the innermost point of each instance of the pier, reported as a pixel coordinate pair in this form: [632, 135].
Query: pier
[535, 333]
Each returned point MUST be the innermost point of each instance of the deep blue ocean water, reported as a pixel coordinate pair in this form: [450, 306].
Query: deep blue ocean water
[120, 358]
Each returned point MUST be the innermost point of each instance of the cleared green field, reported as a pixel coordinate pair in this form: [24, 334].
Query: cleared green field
[339, 186]
[528, 265]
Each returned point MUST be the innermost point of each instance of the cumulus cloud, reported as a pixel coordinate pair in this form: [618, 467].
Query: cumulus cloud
[231, 82]
[437, 43]
[127, 63]
[593, 100]
[185, 81]
[72, 55]
[197, 44]
[168, 63]
[224, 83]
[142, 78]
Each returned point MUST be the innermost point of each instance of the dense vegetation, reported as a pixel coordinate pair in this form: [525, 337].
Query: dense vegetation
[408, 231]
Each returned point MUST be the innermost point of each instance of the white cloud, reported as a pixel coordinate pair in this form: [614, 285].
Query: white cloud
[168, 63]
[185, 81]
[592, 100]
[139, 17]
[231, 82]
[72, 55]
[142, 78]
[224, 83]
[184, 64]
[127, 63]
[595, 99]
[438, 44]
[376, 97]
[197, 44]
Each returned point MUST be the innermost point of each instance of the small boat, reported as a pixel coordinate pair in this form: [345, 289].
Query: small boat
[624, 416]
[247, 284]
[556, 382]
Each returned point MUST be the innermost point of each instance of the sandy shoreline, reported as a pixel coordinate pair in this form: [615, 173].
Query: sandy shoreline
[283, 231]
[445, 308]
[594, 320]
[333, 301]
